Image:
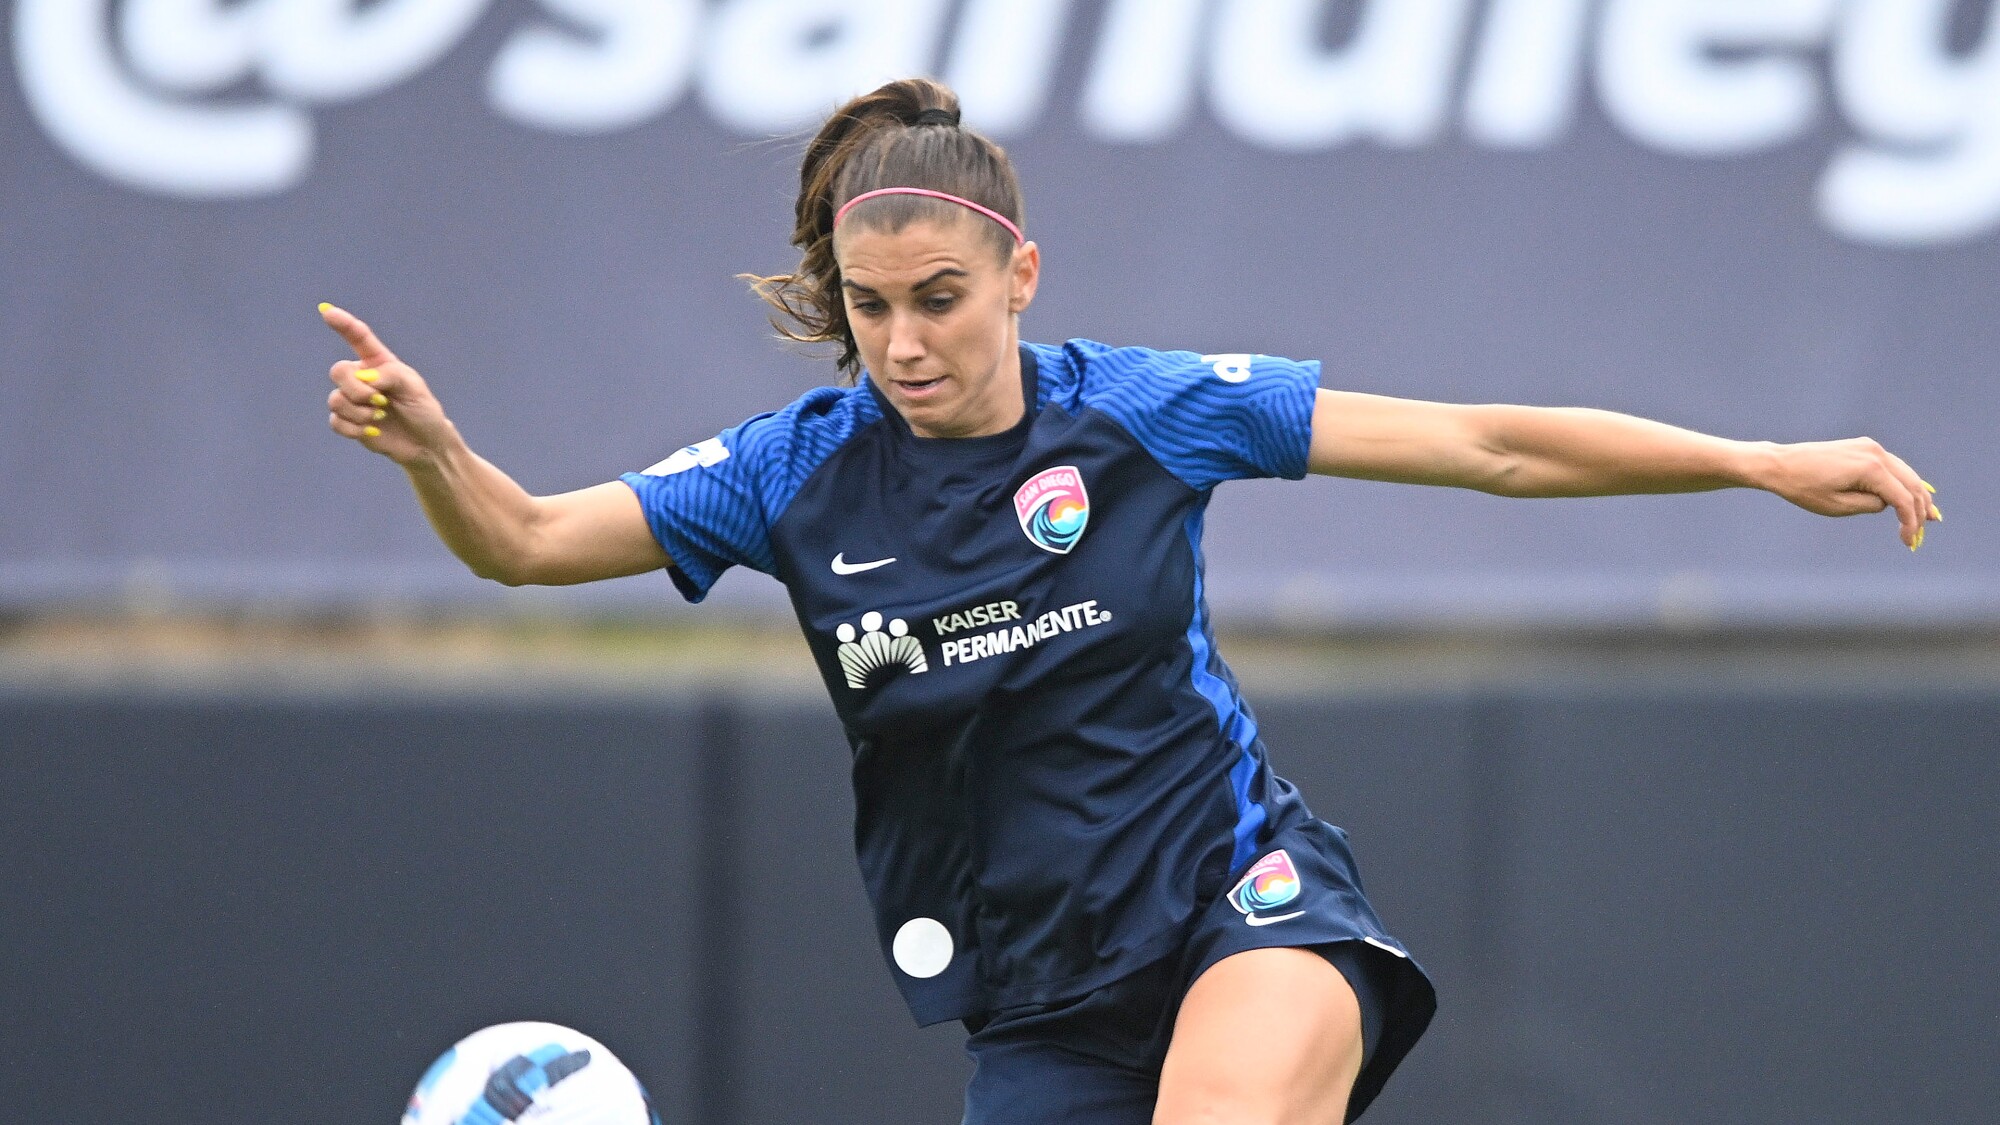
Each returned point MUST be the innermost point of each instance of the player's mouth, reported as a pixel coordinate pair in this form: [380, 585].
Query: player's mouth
[918, 388]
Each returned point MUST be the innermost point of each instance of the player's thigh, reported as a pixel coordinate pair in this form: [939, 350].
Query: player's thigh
[1264, 1036]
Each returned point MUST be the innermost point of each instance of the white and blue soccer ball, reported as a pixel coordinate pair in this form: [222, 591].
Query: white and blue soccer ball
[529, 1074]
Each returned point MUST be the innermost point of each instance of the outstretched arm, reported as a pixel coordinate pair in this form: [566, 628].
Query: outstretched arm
[1545, 451]
[487, 520]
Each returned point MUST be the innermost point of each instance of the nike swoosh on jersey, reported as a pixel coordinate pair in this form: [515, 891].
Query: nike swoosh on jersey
[842, 566]
[1255, 920]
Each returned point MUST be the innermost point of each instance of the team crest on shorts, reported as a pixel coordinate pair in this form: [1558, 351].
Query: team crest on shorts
[1053, 508]
[1271, 882]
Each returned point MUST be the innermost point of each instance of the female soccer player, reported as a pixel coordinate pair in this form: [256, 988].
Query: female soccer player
[1065, 818]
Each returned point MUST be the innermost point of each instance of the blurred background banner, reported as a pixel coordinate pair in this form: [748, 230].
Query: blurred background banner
[1769, 219]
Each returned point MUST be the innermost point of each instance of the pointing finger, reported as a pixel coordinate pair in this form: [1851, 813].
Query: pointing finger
[370, 350]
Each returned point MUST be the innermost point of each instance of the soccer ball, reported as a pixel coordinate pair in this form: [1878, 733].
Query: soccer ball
[530, 1074]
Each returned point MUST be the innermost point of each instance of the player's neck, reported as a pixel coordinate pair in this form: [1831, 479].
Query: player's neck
[999, 404]
[1007, 402]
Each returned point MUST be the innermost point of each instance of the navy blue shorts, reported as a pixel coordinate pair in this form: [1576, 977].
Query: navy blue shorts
[1095, 1059]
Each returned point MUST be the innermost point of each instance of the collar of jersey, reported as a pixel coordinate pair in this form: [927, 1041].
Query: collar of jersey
[986, 445]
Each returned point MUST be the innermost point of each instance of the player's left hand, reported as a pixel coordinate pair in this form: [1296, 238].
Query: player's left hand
[1853, 477]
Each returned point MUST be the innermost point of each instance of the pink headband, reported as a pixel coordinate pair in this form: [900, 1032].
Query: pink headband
[929, 194]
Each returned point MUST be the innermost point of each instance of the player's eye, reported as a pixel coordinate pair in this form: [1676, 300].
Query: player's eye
[869, 307]
[942, 302]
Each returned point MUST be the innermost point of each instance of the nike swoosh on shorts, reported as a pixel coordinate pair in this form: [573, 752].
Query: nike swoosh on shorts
[842, 566]
[1255, 920]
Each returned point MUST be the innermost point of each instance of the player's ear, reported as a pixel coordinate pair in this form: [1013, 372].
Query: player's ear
[1024, 273]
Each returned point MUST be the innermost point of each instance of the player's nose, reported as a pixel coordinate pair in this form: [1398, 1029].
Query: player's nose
[906, 339]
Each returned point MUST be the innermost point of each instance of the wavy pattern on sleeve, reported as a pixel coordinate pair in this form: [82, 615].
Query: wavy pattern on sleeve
[1205, 421]
[712, 505]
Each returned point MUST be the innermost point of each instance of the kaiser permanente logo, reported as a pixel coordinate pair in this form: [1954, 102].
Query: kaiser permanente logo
[873, 647]
[201, 99]
[1003, 628]
[1015, 632]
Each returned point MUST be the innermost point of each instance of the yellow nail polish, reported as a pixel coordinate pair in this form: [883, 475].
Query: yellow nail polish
[1920, 539]
[1936, 515]
[381, 414]
[323, 307]
[378, 399]
[367, 374]
[373, 432]
[1930, 486]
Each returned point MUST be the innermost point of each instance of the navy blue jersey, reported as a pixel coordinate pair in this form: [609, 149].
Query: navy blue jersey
[1052, 767]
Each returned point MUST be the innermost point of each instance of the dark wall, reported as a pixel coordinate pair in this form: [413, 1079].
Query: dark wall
[1697, 906]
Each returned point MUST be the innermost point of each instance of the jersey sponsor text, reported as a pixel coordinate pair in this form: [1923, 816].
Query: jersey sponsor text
[1068, 619]
[992, 613]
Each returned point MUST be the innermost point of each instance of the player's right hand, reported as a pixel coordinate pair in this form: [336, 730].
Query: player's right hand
[380, 401]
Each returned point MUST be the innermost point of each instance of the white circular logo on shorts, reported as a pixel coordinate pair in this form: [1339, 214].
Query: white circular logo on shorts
[922, 947]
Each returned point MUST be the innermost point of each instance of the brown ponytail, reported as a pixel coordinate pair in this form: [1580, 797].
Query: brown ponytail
[905, 134]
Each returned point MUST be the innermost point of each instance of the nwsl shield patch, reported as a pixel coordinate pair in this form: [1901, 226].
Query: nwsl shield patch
[1053, 508]
[1270, 882]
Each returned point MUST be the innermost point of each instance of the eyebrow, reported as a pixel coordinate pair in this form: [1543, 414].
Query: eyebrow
[948, 271]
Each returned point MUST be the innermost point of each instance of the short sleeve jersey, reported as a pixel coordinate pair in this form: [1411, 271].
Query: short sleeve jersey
[1052, 767]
